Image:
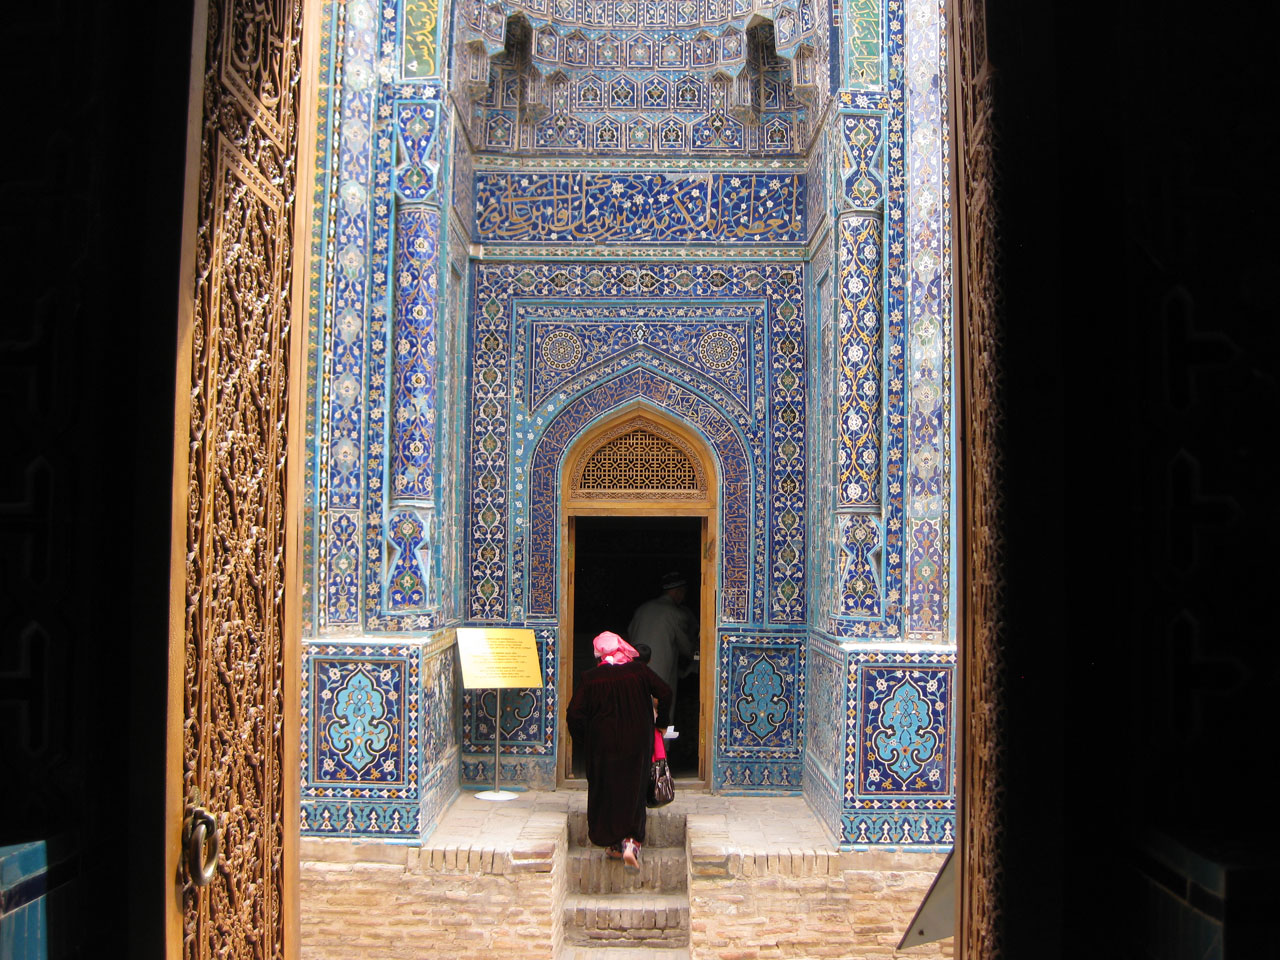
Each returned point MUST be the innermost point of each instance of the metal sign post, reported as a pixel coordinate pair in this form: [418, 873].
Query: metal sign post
[497, 793]
[494, 659]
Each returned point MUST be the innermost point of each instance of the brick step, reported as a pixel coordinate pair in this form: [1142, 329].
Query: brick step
[664, 827]
[575, 952]
[633, 919]
[662, 870]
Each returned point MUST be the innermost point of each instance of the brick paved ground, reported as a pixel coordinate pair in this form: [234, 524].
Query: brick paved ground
[729, 878]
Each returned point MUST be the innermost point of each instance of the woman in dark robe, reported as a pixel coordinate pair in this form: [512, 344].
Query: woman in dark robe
[611, 719]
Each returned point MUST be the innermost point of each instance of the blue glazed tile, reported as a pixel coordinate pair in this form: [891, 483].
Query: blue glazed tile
[833, 453]
[20, 861]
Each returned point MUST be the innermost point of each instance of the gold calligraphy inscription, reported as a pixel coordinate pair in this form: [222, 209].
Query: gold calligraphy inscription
[421, 18]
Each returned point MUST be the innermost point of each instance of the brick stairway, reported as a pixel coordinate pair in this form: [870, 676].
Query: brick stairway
[611, 913]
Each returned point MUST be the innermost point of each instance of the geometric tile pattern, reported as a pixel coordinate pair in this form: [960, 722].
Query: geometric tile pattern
[402, 421]
[649, 113]
[818, 179]
[734, 489]
[760, 713]
[341, 566]
[318, 301]
[869, 446]
[572, 344]
[823, 545]
[672, 76]
[341, 428]
[419, 151]
[528, 725]
[407, 539]
[825, 720]
[905, 735]
[859, 576]
[862, 166]
[359, 723]
[443, 390]
[588, 207]
[787, 413]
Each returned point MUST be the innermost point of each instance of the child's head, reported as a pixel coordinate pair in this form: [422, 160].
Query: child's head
[644, 652]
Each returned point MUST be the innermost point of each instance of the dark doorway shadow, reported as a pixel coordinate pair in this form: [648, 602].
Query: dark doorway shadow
[619, 563]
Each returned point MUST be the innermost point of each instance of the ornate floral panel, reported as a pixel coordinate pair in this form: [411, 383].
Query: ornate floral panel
[378, 739]
[900, 748]
[760, 713]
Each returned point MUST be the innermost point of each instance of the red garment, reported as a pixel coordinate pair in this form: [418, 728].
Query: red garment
[610, 718]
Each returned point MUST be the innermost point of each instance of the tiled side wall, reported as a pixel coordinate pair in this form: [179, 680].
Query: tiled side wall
[879, 753]
[528, 728]
[379, 747]
[383, 523]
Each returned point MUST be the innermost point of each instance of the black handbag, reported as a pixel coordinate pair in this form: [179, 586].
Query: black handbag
[662, 789]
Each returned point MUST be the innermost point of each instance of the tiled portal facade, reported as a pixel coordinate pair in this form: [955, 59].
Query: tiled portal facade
[533, 216]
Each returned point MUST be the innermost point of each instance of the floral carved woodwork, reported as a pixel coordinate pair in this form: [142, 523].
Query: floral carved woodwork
[233, 723]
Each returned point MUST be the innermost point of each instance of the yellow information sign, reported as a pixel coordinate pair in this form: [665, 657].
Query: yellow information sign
[495, 658]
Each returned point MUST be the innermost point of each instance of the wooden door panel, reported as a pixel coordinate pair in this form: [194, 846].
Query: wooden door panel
[234, 699]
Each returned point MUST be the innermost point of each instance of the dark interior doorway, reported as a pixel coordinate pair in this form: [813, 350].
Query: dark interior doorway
[618, 565]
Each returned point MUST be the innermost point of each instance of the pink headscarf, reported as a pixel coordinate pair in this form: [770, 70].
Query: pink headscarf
[612, 649]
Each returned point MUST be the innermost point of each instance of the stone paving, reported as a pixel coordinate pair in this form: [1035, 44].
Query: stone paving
[765, 825]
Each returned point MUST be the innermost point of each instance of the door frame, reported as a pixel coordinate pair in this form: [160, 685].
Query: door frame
[706, 507]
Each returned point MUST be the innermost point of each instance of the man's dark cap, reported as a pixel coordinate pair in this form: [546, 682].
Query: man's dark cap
[672, 580]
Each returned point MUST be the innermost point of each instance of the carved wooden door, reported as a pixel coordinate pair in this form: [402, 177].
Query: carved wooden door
[233, 770]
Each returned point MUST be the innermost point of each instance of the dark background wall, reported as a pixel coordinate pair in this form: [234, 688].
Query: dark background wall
[1140, 368]
[1141, 375]
[90, 214]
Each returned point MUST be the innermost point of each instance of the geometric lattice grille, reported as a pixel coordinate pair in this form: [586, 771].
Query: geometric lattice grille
[638, 461]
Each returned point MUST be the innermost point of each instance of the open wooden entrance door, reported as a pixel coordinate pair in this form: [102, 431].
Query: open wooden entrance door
[638, 496]
[234, 711]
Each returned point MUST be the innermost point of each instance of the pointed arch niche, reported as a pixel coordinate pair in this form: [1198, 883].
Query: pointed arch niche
[639, 462]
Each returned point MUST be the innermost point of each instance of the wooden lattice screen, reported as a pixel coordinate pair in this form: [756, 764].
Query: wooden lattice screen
[640, 462]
